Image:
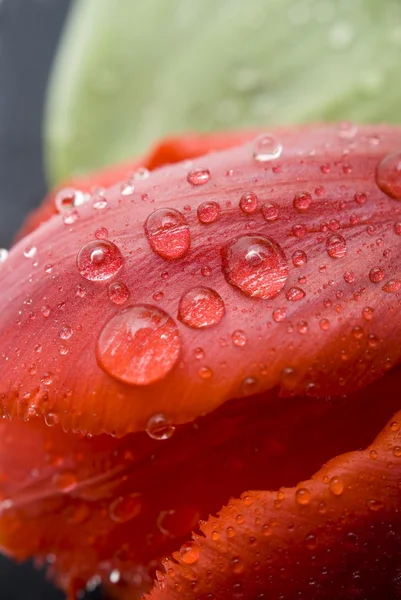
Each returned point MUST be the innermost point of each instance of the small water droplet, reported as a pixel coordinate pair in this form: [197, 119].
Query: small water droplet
[101, 233]
[47, 378]
[299, 258]
[368, 313]
[249, 202]
[198, 176]
[30, 251]
[168, 233]
[302, 201]
[360, 198]
[376, 274]
[65, 333]
[69, 218]
[99, 203]
[347, 130]
[375, 505]
[159, 427]
[270, 211]
[208, 212]
[294, 294]
[201, 307]
[303, 496]
[3, 255]
[324, 324]
[118, 292]
[67, 199]
[303, 327]
[127, 188]
[266, 148]
[205, 372]
[125, 508]
[336, 486]
[139, 345]
[99, 260]
[140, 173]
[279, 315]
[189, 553]
[238, 338]
[349, 277]
[256, 265]
[80, 291]
[392, 286]
[397, 228]
[336, 246]
[388, 175]
[299, 231]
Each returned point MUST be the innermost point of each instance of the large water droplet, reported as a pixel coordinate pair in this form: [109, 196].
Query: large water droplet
[388, 175]
[99, 260]
[139, 345]
[159, 427]
[256, 265]
[336, 246]
[201, 307]
[168, 233]
[266, 148]
[392, 286]
[198, 176]
[208, 212]
[189, 553]
[303, 496]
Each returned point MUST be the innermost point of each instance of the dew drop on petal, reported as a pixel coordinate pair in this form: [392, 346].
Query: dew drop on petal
[336, 246]
[256, 265]
[270, 211]
[388, 175]
[189, 553]
[208, 212]
[392, 286]
[336, 486]
[294, 294]
[238, 338]
[248, 202]
[302, 201]
[198, 176]
[266, 147]
[67, 199]
[139, 345]
[376, 274]
[159, 427]
[168, 233]
[397, 228]
[99, 260]
[360, 198]
[125, 508]
[299, 258]
[201, 307]
[101, 233]
[279, 315]
[30, 251]
[118, 292]
[303, 496]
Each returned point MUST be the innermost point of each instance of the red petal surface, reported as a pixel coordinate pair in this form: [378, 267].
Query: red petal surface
[333, 327]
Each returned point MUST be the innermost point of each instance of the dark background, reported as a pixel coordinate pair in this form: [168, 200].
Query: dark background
[29, 32]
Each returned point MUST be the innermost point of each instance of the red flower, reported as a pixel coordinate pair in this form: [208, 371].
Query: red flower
[243, 310]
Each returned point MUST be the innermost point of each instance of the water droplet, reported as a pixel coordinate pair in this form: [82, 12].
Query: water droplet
[249, 202]
[336, 246]
[302, 201]
[388, 175]
[198, 176]
[3, 255]
[69, 218]
[125, 508]
[324, 324]
[279, 315]
[375, 505]
[168, 233]
[208, 212]
[357, 332]
[299, 231]
[65, 333]
[99, 260]
[80, 291]
[47, 378]
[239, 338]
[67, 199]
[30, 251]
[367, 313]
[360, 198]
[349, 277]
[347, 130]
[118, 292]
[99, 203]
[270, 211]
[256, 265]
[189, 553]
[140, 173]
[266, 148]
[101, 233]
[294, 294]
[127, 188]
[205, 372]
[392, 286]
[303, 496]
[139, 345]
[303, 327]
[159, 427]
[376, 274]
[336, 486]
[299, 258]
[397, 228]
[200, 307]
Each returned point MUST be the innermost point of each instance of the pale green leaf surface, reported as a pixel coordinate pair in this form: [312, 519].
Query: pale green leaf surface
[131, 71]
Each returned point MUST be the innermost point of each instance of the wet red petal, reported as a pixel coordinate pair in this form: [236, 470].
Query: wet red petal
[329, 330]
[337, 535]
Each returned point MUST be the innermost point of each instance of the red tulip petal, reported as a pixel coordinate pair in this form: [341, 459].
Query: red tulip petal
[333, 327]
[337, 535]
[168, 151]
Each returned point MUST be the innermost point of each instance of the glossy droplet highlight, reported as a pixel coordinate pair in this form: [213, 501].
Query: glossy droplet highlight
[388, 175]
[139, 345]
[168, 233]
[302, 201]
[201, 307]
[159, 427]
[3, 255]
[198, 176]
[248, 202]
[336, 246]
[118, 292]
[266, 147]
[189, 553]
[99, 260]
[208, 212]
[256, 265]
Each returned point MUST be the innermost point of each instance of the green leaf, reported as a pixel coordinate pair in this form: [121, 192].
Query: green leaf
[131, 71]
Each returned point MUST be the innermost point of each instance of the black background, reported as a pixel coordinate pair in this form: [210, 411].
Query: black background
[29, 32]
